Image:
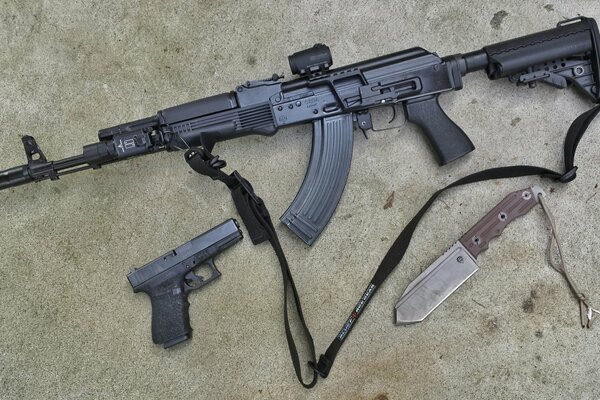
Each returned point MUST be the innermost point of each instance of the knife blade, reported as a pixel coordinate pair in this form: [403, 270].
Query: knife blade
[453, 268]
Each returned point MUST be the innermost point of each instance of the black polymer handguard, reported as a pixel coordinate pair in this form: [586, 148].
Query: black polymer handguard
[169, 279]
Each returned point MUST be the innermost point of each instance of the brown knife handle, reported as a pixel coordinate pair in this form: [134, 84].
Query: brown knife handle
[514, 205]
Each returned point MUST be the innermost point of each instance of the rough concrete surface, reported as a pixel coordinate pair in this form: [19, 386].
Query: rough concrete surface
[70, 325]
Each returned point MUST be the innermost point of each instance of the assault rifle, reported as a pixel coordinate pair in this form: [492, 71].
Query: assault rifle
[335, 100]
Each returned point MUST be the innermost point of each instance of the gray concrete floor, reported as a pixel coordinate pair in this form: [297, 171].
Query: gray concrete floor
[70, 326]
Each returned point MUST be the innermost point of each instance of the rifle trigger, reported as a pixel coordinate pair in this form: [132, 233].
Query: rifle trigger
[394, 114]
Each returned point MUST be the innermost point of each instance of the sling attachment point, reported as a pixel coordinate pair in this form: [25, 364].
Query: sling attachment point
[247, 203]
[322, 367]
[568, 176]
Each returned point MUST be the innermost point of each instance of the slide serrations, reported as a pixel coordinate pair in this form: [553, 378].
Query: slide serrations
[325, 178]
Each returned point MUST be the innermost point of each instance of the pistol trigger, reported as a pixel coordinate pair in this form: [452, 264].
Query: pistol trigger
[208, 272]
[192, 280]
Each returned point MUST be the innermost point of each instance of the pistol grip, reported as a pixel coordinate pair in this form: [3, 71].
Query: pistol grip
[325, 178]
[447, 139]
[170, 316]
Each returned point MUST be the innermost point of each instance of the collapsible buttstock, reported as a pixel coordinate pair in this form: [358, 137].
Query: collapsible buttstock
[325, 178]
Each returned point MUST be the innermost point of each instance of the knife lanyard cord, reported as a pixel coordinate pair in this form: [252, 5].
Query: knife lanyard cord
[557, 261]
[400, 245]
[257, 220]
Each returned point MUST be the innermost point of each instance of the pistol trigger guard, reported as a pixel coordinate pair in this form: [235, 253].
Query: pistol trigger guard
[192, 281]
[325, 177]
[212, 266]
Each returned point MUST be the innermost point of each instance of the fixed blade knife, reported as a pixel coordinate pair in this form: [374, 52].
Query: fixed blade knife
[455, 266]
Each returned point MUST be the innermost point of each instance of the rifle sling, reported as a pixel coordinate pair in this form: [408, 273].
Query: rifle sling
[257, 220]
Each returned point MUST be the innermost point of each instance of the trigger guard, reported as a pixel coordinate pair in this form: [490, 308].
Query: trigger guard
[192, 277]
[325, 178]
[192, 281]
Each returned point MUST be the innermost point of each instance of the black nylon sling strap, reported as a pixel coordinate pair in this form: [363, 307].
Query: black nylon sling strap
[400, 245]
[257, 220]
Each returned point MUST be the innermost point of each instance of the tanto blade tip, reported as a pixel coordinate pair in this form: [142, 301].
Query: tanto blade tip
[434, 285]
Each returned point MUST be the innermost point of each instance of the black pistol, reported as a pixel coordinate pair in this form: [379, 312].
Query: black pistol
[169, 279]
